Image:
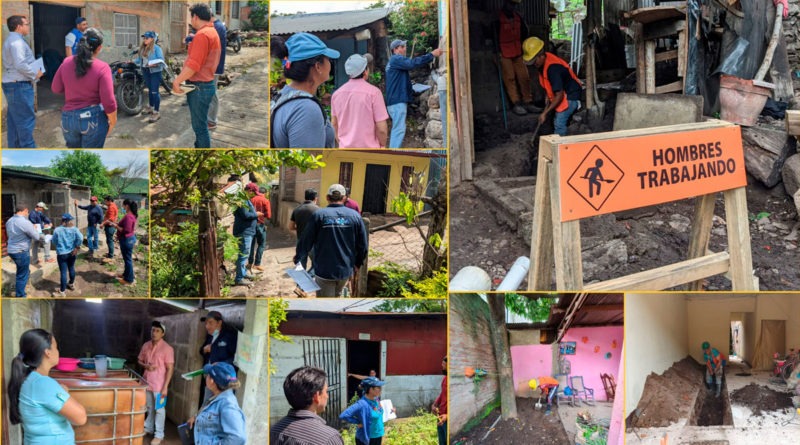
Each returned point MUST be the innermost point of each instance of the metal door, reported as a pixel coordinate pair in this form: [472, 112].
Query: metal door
[328, 354]
[376, 188]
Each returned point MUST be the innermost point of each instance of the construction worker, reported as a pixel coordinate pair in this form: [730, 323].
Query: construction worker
[548, 387]
[715, 367]
[561, 84]
[511, 31]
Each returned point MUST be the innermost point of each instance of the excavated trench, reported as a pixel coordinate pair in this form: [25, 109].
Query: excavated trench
[710, 410]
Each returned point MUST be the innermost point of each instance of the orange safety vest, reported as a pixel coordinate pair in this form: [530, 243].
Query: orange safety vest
[550, 59]
[509, 38]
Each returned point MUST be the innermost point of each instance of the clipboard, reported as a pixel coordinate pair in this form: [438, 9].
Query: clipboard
[303, 279]
[388, 413]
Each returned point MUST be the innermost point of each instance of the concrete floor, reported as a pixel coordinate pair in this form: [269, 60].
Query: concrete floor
[568, 414]
[746, 430]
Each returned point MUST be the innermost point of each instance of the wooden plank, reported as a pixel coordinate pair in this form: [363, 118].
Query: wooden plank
[590, 76]
[650, 67]
[682, 54]
[741, 265]
[793, 122]
[669, 276]
[641, 62]
[670, 87]
[540, 275]
[655, 13]
[701, 231]
[667, 55]
[710, 123]
[463, 95]
[663, 29]
[566, 239]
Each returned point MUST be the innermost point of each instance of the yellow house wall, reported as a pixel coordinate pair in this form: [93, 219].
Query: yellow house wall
[396, 162]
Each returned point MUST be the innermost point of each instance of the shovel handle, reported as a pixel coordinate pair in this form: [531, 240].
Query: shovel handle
[773, 43]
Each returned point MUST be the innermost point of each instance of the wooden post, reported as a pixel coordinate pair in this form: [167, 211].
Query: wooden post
[650, 67]
[641, 62]
[590, 76]
[701, 231]
[207, 243]
[739, 240]
[566, 238]
[540, 275]
[360, 287]
[793, 122]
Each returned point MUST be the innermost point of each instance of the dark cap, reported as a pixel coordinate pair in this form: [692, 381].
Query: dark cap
[213, 314]
[159, 325]
[79, 20]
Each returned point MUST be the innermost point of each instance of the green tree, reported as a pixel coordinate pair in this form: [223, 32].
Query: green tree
[418, 22]
[277, 315]
[411, 305]
[84, 168]
[259, 15]
[534, 308]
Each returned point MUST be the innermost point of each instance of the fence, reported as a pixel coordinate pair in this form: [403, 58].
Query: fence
[396, 242]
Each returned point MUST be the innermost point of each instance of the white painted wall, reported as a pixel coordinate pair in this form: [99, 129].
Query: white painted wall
[656, 336]
[710, 320]
[409, 392]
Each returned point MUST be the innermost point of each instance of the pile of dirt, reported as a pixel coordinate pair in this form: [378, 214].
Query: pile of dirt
[531, 426]
[668, 397]
[761, 399]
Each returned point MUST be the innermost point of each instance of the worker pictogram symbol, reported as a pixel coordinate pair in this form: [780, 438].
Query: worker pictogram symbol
[596, 177]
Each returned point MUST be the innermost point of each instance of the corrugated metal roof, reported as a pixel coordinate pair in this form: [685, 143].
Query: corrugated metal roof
[11, 172]
[325, 21]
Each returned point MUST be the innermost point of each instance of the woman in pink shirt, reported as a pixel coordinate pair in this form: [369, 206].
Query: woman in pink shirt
[126, 235]
[90, 110]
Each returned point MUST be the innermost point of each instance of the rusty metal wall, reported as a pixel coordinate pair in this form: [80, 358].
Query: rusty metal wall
[533, 11]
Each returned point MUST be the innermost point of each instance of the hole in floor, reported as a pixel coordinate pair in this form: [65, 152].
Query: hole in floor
[710, 410]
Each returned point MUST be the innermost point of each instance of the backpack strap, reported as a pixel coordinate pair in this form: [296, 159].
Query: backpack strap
[283, 100]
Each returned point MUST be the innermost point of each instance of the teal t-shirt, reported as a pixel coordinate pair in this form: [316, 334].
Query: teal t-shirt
[40, 400]
[375, 419]
[714, 354]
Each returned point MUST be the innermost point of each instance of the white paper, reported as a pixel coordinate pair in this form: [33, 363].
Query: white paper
[154, 62]
[388, 410]
[38, 227]
[38, 64]
[48, 238]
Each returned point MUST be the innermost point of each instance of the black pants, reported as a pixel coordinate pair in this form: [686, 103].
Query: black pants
[375, 441]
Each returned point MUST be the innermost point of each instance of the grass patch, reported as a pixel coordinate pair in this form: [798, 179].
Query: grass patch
[417, 430]
[475, 421]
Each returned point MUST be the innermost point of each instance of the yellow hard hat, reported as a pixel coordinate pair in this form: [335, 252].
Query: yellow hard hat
[532, 383]
[531, 47]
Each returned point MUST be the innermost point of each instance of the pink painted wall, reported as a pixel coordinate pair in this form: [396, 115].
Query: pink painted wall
[591, 364]
[530, 362]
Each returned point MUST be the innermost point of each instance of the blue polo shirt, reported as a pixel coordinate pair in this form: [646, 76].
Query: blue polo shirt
[40, 400]
[398, 81]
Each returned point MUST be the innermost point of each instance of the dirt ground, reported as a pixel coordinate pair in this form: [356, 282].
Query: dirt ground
[760, 399]
[669, 397]
[531, 427]
[618, 244]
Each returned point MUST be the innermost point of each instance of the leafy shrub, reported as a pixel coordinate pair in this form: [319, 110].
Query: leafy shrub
[418, 22]
[397, 280]
[417, 430]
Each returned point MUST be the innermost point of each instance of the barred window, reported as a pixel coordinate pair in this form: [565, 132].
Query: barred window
[235, 9]
[346, 174]
[126, 30]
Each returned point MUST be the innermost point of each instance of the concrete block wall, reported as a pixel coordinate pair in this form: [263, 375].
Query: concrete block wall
[185, 333]
[470, 340]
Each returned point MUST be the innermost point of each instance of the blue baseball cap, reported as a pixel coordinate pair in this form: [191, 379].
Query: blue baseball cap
[67, 217]
[396, 43]
[370, 382]
[149, 35]
[80, 20]
[222, 373]
[304, 46]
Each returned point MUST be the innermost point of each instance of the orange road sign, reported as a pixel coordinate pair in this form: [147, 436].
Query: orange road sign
[612, 175]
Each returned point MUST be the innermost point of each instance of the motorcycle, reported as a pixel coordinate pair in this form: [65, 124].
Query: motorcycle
[129, 85]
[234, 39]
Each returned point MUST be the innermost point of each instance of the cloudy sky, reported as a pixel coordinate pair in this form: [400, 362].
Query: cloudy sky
[316, 6]
[42, 158]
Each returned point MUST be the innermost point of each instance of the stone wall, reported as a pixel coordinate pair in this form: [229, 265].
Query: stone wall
[791, 29]
[470, 345]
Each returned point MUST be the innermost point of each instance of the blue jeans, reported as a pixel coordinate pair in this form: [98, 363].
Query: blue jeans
[66, 263]
[245, 243]
[560, 122]
[213, 107]
[92, 236]
[85, 128]
[258, 246]
[398, 114]
[23, 262]
[199, 102]
[153, 83]
[126, 247]
[441, 430]
[110, 231]
[21, 119]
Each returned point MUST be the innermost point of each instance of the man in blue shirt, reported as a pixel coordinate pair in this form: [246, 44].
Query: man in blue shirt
[245, 220]
[715, 367]
[20, 233]
[95, 217]
[18, 77]
[339, 241]
[220, 344]
[213, 108]
[74, 37]
[38, 217]
[398, 87]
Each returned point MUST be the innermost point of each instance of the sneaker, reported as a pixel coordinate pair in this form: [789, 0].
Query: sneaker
[243, 284]
[259, 268]
[531, 108]
[250, 277]
[155, 117]
[108, 260]
[50, 260]
[156, 441]
[518, 110]
[126, 283]
[147, 110]
[59, 294]
[212, 126]
[71, 286]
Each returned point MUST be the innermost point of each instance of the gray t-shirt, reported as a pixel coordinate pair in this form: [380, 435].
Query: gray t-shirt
[300, 123]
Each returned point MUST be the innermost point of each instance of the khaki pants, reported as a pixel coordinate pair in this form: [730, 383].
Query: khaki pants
[516, 72]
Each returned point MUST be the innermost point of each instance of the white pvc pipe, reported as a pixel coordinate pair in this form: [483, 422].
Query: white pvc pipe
[471, 279]
[515, 275]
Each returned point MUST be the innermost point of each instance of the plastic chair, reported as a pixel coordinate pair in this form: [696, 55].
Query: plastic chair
[579, 390]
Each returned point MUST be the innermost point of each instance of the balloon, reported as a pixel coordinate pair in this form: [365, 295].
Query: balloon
[532, 383]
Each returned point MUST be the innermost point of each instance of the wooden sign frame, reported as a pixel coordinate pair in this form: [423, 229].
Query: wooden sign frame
[559, 243]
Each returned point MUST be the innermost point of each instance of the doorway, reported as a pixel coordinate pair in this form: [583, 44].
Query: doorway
[737, 339]
[376, 188]
[771, 340]
[362, 357]
[50, 24]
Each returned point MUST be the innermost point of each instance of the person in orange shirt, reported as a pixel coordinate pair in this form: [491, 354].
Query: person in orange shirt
[261, 203]
[204, 53]
[112, 211]
[549, 387]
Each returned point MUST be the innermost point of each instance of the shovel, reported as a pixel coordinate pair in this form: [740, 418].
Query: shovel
[539, 403]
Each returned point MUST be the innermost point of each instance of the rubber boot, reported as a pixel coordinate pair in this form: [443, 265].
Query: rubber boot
[719, 388]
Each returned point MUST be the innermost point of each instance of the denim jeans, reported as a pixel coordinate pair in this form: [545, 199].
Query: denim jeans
[258, 246]
[199, 101]
[441, 431]
[92, 237]
[21, 118]
[23, 262]
[154, 422]
[213, 107]
[398, 114]
[85, 128]
[561, 119]
[66, 263]
[153, 83]
[245, 243]
[110, 231]
[126, 247]
[35, 245]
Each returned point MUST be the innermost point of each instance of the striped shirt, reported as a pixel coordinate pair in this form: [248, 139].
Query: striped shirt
[303, 427]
